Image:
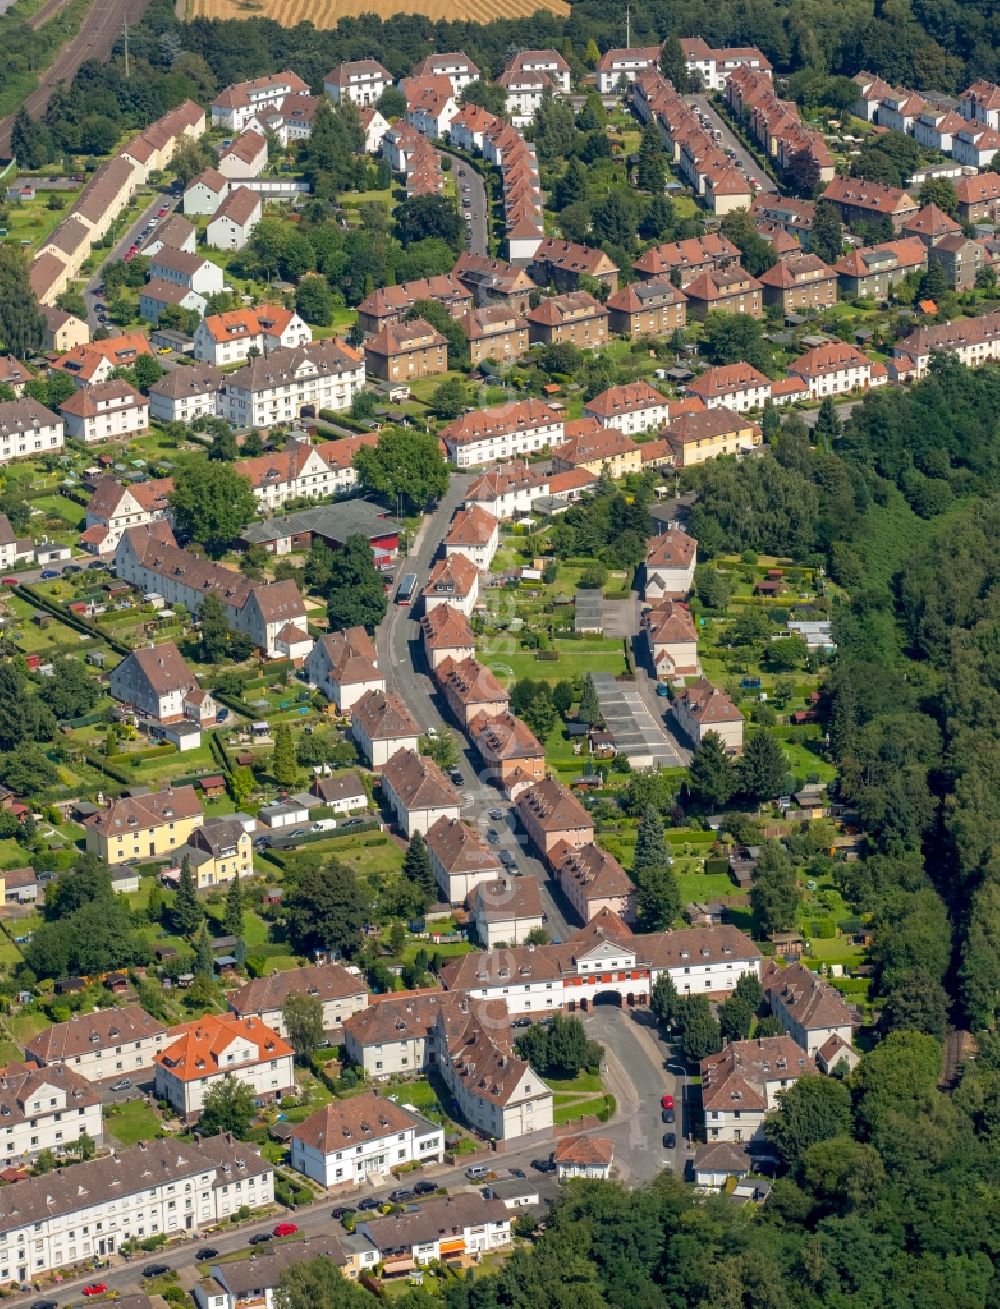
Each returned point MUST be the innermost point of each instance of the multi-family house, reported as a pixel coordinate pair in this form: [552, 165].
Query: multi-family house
[465, 1226]
[669, 565]
[799, 281]
[446, 634]
[715, 66]
[105, 1044]
[95, 361]
[272, 614]
[144, 827]
[203, 1053]
[45, 1109]
[502, 432]
[325, 374]
[341, 993]
[575, 318]
[418, 792]
[361, 1139]
[255, 1283]
[245, 157]
[700, 708]
[683, 261]
[235, 107]
[740, 1086]
[108, 411]
[597, 450]
[550, 814]
[381, 725]
[930, 224]
[63, 331]
[452, 581]
[205, 193]
[470, 689]
[511, 754]
[454, 64]
[431, 104]
[460, 859]
[361, 81]
[648, 308]
[808, 1007]
[739, 387]
[975, 146]
[219, 851]
[506, 910]
[859, 200]
[979, 198]
[617, 68]
[563, 263]
[184, 395]
[406, 351]
[872, 272]
[113, 508]
[394, 1035]
[835, 369]
[508, 489]
[474, 533]
[374, 126]
[973, 341]
[593, 881]
[671, 640]
[527, 78]
[159, 295]
[154, 1189]
[980, 103]
[344, 665]
[192, 272]
[961, 259]
[390, 305]
[495, 333]
[156, 683]
[28, 430]
[232, 224]
[695, 437]
[632, 407]
[493, 282]
[304, 471]
[731, 291]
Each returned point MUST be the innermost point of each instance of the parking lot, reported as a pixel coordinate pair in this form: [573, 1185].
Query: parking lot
[636, 733]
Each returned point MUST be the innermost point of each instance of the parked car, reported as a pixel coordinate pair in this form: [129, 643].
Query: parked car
[205, 1253]
[401, 1195]
[670, 1140]
[506, 858]
[521, 1022]
[669, 1116]
[456, 776]
[286, 1229]
[123, 1084]
[518, 1173]
[45, 1304]
[156, 1270]
[96, 1288]
[496, 815]
[71, 570]
[162, 213]
[98, 566]
[492, 835]
[424, 1188]
[543, 1165]
[339, 1212]
[370, 1202]
[477, 1173]
[666, 1102]
[259, 1238]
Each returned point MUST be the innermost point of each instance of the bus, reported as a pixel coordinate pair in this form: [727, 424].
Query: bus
[406, 588]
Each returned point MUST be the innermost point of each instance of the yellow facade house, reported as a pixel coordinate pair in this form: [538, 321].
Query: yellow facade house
[144, 827]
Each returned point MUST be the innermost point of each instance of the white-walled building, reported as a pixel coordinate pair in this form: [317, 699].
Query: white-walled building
[360, 1139]
[460, 859]
[455, 65]
[109, 411]
[461, 1225]
[487, 436]
[381, 725]
[107, 1043]
[700, 708]
[156, 683]
[235, 107]
[113, 508]
[340, 992]
[474, 533]
[810, 1009]
[233, 222]
[325, 374]
[228, 338]
[202, 1053]
[669, 565]
[193, 272]
[617, 66]
[245, 157]
[27, 430]
[418, 792]
[715, 66]
[740, 1085]
[206, 192]
[506, 910]
[836, 369]
[361, 81]
[739, 387]
[453, 581]
[344, 665]
[631, 408]
[184, 395]
[45, 1109]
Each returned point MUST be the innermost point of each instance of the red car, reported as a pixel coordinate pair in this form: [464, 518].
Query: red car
[666, 1102]
[286, 1229]
[10, 581]
[162, 213]
[97, 1288]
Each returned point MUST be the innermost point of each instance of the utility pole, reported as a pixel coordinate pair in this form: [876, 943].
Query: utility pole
[125, 29]
[628, 26]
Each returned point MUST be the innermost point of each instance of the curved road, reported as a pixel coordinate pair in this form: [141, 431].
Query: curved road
[96, 38]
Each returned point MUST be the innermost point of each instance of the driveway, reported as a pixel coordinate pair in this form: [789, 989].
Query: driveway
[477, 229]
[729, 141]
[638, 733]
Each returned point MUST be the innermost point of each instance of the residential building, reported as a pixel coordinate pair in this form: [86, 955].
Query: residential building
[474, 533]
[492, 282]
[695, 437]
[550, 814]
[96, 361]
[175, 231]
[512, 755]
[394, 1036]
[592, 881]
[508, 490]
[597, 450]
[979, 198]
[446, 635]
[980, 103]
[245, 157]
[342, 993]
[732, 291]
[431, 104]
[800, 282]
[669, 565]
[809, 1008]
[203, 1053]
[233, 222]
[562, 264]
[113, 508]
[506, 910]
[13, 551]
[418, 792]
[455, 65]
[193, 272]
[155, 682]
[304, 471]
[343, 791]
[671, 640]
[361, 81]
[575, 317]
[236, 107]
[794, 217]
[470, 689]
[272, 614]
[974, 341]
[452, 581]
[460, 858]
[502, 432]
[589, 1157]
[206, 192]
[242, 1283]
[219, 851]
[360, 1139]
[144, 827]
[105, 1044]
[406, 351]
[14, 374]
[27, 430]
[496, 333]
[45, 1109]
[63, 331]
[389, 305]
[184, 395]
[872, 272]
[527, 78]
[159, 295]
[632, 408]
[325, 374]
[740, 1086]
[381, 725]
[374, 127]
[739, 387]
[961, 259]
[974, 147]
[439, 1231]
[344, 665]
[930, 224]
[155, 1188]
[859, 200]
[109, 411]
[654, 307]
[836, 369]
[617, 68]
[497, 1093]
[687, 259]
[716, 66]
[700, 708]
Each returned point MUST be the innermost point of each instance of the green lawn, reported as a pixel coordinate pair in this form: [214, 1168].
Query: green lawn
[582, 1082]
[25, 1026]
[132, 1122]
[576, 658]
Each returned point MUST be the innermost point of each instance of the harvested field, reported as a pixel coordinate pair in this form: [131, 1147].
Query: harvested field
[327, 13]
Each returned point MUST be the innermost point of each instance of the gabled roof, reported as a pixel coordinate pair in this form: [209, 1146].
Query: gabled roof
[469, 682]
[517, 416]
[352, 656]
[553, 807]
[567, 308]
[161, 666]
[728, 379]
[629, 398]
[504, 736]
[471, 526]
[348, 1124]
[240, 206]
[446, 628]
[383, 716]
[459, 848]
[419, 783]
[737, 1080]
[672, 549]
[88, 1033]
[596, 874]
[199, 1046]
[707, 704]
[809, 999]
[454, 576]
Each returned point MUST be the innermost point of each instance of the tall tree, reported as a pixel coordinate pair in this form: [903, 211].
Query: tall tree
[827, 237]
[813, 1109]
[303, 1019]
[774, 895]
[284, 767]
[204, 960]
[590, 706]
[650, 169]
[711, 778]
[658, 900]
[828, 428]
[215, 635]
[351, 584]
[232, 920]
[673, 65]
[326, 910]
[187, 912]
[212, 503]
[763, 769]
[229, 1107]
[320, 1283]
[22, 327]
[417, 869]
[405, 471]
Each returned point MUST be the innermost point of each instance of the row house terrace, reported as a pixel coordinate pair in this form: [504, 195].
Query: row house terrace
[739, 387]
[508, 490]
[512, 756]
[431, 104]
[113, 508]
[836, 369]
[503, 432]
[632, 408]
[973, 341]
[859, 200]
[470, 690]
[339, 992]
[687, 259]
[775, 124]
[446, 634]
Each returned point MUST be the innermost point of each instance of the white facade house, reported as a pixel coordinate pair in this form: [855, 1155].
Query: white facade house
[204, 1052]
[157, 1188]
[206, 192]
[452, 581]
[184, 395]
[193, 272]
[114, 508]
[716, 66]
[739, 387]
[105, 1044]
[631, 408]
[617, 66]
[460, 859]
[27, 430]
[740, 1086]
[836, 369]
[506, 910]
[474, 533]
[669, 565]
[360, 1139]
[418, 792]
[109, 411]
[233, 222]
[508, 490]
[340, 992]
[325, 374]
[235, 107]
[245, 157]
[381, 725]
[374, 127]
[344, 666]
[973, 341]
[228, 338]
[453, 64]
[810, 1009]
[156, 682]
[439, 1230]
[45, 1109]
[487, 436]
[700, 708]
[361, 81]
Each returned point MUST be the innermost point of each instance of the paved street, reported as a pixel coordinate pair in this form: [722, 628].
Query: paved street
[162, 201]
[477, 229]
[407, 676]
[730, 142]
